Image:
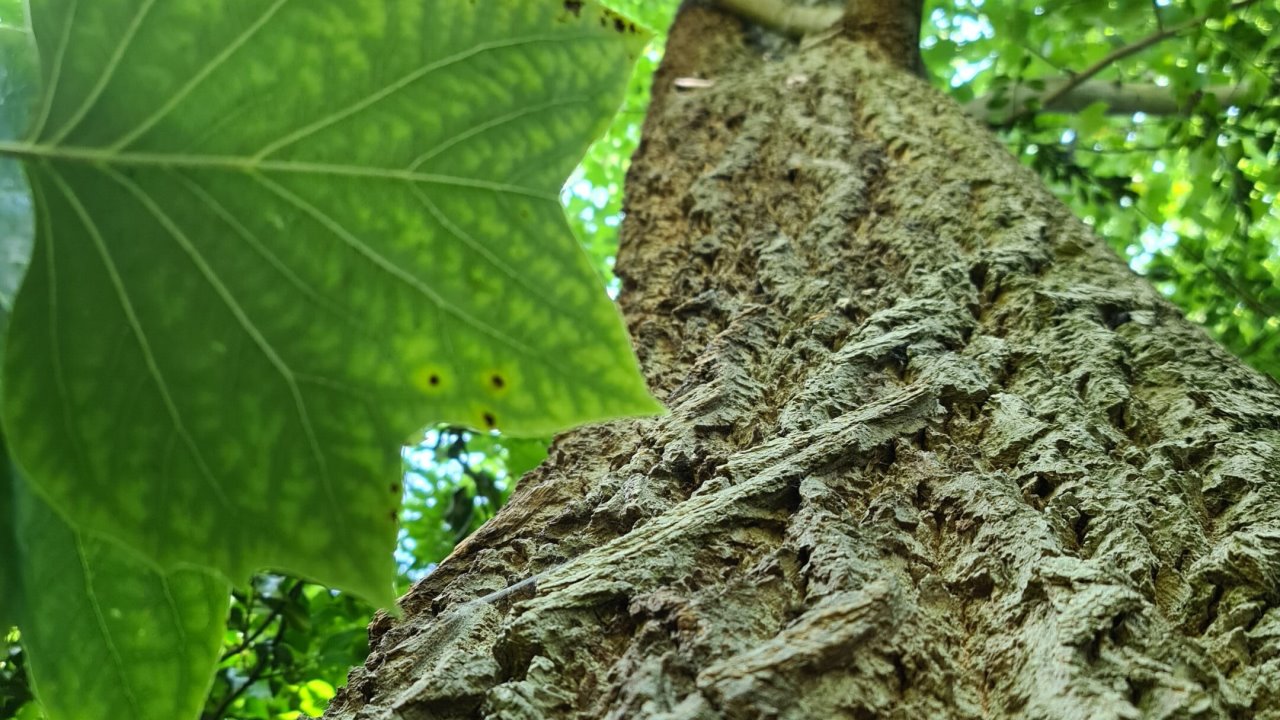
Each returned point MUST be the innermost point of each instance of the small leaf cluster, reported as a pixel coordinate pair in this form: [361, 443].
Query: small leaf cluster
[456, 480]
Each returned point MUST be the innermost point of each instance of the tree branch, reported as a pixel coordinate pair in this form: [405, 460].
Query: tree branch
[1080, 78]
[782, 17]
[1120, 98]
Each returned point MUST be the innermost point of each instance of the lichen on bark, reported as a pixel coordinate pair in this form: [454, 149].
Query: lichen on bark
[933, 450]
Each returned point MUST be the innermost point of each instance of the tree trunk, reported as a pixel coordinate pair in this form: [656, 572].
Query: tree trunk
[933, 450]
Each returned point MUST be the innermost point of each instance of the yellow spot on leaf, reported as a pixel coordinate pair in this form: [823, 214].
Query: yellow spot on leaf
[429, 379]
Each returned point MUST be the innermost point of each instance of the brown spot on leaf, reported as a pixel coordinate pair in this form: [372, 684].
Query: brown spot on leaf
[620, 23]
[573, 6]
[490, 421]
[498, 382]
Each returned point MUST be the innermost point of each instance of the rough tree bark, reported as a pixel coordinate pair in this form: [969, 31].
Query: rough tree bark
[933, 450]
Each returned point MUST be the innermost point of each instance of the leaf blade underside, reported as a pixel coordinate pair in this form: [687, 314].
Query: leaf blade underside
[274, 238]
[106, 634]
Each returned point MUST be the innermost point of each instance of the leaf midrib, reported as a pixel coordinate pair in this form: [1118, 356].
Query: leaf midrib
[242, 164]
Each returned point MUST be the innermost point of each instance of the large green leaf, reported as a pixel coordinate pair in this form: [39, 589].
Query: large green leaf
[276, 237]
[107, 636]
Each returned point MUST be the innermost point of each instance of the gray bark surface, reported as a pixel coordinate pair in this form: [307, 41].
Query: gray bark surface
[933, 450]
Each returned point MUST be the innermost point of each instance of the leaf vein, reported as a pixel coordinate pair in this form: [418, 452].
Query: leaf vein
[485, 127]
[265, 253]
[251, 329]
[55, 72]
[140, 335]
[400, 84]
[145, 126]
[108, 72]
[56, 355]
[386, 265]
[242, 164]
[101, 619]
[484, 252]
[183, 640]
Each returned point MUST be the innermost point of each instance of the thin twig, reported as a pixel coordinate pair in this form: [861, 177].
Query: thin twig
[248, 639]
[260, 666]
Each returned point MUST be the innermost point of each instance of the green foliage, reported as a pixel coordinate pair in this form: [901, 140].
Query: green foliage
[274, 239]
[15, 692]
[346, 261]
[289, 644]
[99, 622]
[454, 482]
[1188, 196]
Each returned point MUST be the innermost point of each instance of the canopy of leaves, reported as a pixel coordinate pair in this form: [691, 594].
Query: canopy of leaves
[1180, 170]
